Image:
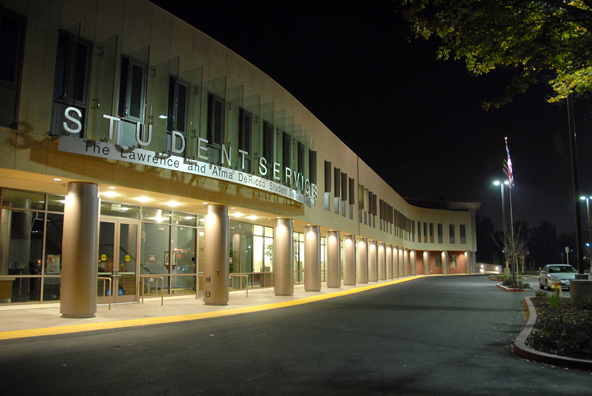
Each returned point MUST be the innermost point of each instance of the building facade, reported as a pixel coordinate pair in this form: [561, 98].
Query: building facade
[139, 155]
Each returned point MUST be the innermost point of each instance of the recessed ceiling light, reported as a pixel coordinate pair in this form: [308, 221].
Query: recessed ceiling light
[112, 187]
[205, 203]
[57, 179]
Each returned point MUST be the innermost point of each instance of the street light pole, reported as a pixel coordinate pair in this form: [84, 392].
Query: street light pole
[588, 215]
[501, 184]
[504, 227]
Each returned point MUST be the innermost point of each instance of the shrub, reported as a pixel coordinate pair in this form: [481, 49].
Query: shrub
[554, 301]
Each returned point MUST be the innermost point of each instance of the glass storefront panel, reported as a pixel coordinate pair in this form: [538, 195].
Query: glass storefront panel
[155, 257]
[56, 203]
[128, 254]
[120, 210]
[156, 215]
[323, 259]
[53, 244]
[184, 259]
[106, 248]
[51, 288]
[298, 258]
[23, 199]
[185, 219]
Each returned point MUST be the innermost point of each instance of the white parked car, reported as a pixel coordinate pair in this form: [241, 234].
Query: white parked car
[552, 273]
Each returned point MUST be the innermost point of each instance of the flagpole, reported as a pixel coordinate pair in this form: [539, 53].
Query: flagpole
[575, 179]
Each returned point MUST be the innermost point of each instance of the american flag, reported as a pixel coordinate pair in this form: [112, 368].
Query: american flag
[508, 167]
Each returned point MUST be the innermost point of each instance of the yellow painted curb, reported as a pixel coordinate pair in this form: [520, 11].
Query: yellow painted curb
[10, 335]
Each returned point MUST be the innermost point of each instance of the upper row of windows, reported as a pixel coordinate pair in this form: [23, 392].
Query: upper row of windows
[155, 96]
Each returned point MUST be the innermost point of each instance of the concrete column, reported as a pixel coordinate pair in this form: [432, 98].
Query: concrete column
[283, 258]
[80, 251]
[362, 260]
[216, 249]
[349, 260]
[396, 262]
[426, 263]
[381, 262]
[413, 262]
[389, 262]
[405, 262]
[474, 261]
[372, 261]
[312, 258]
[333, 259]
[445, 262]
[469, 262]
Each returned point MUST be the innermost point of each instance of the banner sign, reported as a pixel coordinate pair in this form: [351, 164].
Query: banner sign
[100, 149]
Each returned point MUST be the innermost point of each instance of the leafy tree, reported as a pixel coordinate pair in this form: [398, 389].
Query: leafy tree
[535, 38]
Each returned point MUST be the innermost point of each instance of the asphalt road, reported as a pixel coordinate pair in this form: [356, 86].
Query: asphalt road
[434, 335]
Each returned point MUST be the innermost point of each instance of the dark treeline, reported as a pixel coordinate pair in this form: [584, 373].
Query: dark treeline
[544, 245]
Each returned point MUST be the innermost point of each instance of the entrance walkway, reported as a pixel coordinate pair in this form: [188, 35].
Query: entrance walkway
[34, 320]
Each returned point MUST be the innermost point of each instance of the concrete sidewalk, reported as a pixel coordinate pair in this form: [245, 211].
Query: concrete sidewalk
[34, 320]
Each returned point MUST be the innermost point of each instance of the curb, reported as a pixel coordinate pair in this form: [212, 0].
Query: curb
[495, 280]
[526, 352]
[509, 289]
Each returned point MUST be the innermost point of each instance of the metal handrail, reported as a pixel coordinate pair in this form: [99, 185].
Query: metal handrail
[161, 288]
[104, 278]
[241, 282]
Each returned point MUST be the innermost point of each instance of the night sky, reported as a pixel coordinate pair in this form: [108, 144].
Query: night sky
[417, 121]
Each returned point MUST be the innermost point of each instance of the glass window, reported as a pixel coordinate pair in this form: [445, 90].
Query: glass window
[23, 199]
[298, 257]
[132, 99]
[184, 259]
[155, 258]
[438, 260]
[453, 260]
[215, 120]
[185, 219]
[286, 152]
[451, 230]
[71, 83]
[440, 233]
[12, 28]
[177, 110]
[24, 252]
[56, 203]
[312, 166]
[300, 158]
[245, 128]
[53, 244]
[463, 233]
[156, 215]
[120, 210]
[268, 140]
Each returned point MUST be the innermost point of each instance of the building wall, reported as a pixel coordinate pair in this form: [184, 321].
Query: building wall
[30, 158]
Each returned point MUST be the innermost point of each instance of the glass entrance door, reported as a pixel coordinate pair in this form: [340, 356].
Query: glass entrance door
[118, 258]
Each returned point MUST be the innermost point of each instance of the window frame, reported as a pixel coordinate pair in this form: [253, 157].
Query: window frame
[17, 46]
